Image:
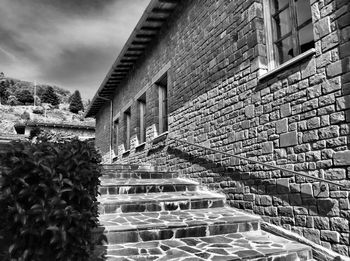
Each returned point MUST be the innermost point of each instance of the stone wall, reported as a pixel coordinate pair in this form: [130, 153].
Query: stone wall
[298, 118]
[103, 132]
[64, 130]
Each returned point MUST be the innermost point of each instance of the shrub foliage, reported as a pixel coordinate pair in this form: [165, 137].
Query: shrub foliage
[25, 97]
[48, 200]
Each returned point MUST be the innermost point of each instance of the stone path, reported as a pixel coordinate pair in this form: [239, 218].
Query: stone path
[148, 214]
[255, 245]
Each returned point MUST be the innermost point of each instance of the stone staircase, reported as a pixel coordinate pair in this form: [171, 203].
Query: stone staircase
[149, 214]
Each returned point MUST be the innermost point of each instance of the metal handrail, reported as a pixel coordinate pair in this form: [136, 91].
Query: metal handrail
[262, 163]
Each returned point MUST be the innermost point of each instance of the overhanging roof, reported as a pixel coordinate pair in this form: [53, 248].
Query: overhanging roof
[146, 29]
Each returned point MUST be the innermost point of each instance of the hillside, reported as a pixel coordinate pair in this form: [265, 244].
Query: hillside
[14, 86]
[11, 114]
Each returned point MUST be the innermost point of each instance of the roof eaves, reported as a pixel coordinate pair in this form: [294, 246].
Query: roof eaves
[156, 13]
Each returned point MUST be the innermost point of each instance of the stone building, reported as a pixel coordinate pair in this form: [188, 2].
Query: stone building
[266, 80]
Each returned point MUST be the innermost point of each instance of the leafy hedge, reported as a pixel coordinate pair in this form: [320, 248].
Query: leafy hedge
[48, 200]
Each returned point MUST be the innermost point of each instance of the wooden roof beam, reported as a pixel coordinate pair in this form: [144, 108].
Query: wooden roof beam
[155, 19]
[128, 59]
[150, 28]
[161, 11]
[145, 36]
[140, 43]
[131, 55]
[122, 66]
[169, 1]
[126, 62]
[132, 49]
[113, 82]
[116, 74]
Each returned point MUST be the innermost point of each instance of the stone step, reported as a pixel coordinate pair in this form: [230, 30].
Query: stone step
[129, 167]
[253, 245]
[138, 174]
[134, 186]
[166, 201]
[146, 226]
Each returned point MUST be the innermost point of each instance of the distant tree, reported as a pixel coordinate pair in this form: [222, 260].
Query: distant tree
[4, 91]
[25, 96]
[50, 96]
[76, 103]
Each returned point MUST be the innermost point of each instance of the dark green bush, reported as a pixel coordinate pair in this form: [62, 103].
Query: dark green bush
[25, 116]
[34, 132]
[25, 97]
[48, 200]
[38, 109]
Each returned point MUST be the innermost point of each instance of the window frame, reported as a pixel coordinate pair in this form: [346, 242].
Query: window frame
[272, 53]
[141, 104]
[163, 105]
[127, 129]
[116, 136]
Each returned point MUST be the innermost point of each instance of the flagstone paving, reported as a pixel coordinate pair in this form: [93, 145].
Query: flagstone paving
[257, 245]
[167, 219]
[112, 186]
[150, 214]
[145, 202]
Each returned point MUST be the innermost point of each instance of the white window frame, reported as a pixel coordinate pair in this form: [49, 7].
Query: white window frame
[116, 136]
[271, 55]
[163, 108]
[127, 129]
[142, 119]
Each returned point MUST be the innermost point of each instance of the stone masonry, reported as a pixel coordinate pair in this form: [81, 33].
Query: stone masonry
[297, 118]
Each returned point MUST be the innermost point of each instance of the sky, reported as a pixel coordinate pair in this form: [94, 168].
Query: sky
[68, 43]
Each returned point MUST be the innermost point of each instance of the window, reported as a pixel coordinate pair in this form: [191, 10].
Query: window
[116, 136]
[163, 104]
[142, 119]
[289, 29]
[127, 129]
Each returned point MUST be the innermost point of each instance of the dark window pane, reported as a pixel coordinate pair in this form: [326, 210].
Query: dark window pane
[142, 122]
[278, 5]
[284, 50]
[116, 137]
[281, 24]
[303, 11]
[306, 38]
[127, 130]
[289, 41]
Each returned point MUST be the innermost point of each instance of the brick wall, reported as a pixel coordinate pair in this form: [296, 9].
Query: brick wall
[102, 132]
[297, 119]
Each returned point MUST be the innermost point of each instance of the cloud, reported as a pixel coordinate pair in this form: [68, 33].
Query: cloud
[68, 43]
